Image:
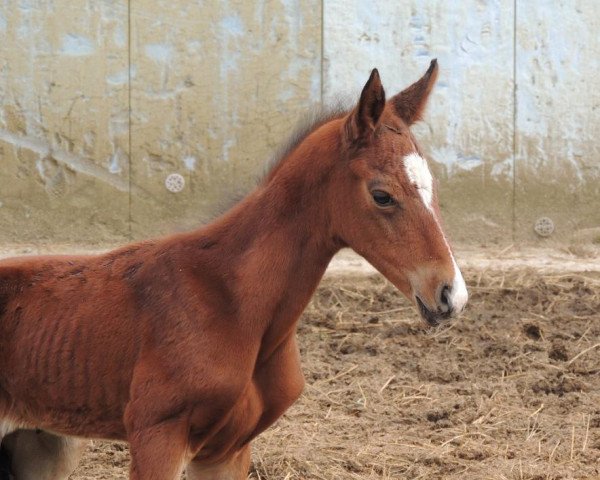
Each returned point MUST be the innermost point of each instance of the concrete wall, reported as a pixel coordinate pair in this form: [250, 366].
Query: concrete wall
[102, 100]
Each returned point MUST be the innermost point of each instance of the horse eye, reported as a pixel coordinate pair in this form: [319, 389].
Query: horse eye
[382, 199]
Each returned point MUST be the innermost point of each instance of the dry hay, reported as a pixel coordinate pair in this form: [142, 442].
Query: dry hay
[509, 391]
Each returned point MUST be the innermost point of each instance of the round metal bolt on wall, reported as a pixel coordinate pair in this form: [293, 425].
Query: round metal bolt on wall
[544, 226]
[175, 182]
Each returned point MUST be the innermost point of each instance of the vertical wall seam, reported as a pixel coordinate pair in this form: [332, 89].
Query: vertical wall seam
[130, 165]
[322, 50]
[514, 139]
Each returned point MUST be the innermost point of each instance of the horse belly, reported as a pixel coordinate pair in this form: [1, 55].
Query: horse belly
[64, 373]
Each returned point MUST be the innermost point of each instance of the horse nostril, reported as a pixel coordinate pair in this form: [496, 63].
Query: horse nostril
[445, 301]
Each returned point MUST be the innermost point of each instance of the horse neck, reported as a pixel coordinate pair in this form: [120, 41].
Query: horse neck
[275, 246]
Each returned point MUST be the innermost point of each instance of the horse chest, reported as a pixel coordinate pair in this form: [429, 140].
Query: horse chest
[275, 386]
[279, 379]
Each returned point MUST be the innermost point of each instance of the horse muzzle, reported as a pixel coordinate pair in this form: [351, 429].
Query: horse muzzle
[450, 301]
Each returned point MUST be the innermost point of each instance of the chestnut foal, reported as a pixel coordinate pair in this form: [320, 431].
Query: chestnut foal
[185, 346]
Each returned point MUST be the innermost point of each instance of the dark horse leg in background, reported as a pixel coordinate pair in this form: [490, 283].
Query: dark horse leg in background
[5, 473]
[39, 455]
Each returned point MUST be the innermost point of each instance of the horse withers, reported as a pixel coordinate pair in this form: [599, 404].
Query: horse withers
[185, 346]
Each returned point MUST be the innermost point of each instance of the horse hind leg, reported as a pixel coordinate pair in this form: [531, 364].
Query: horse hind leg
[39, 455]
[6, 428]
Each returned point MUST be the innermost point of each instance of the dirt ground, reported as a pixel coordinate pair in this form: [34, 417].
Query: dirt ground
[511, 390]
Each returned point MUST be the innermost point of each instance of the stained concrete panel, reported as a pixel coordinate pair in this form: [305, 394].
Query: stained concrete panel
[63, 121]
[468, 129]
[558, 119]
[215, 88]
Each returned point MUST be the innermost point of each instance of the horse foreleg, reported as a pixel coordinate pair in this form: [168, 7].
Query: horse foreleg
[235, 468]
[39, 455]
[159, 452]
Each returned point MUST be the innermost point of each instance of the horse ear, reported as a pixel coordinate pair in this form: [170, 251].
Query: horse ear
[410, 103]
[361, 123]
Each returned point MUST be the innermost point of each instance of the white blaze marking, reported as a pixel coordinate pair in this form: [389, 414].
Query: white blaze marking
[418, 173]
[458, 294]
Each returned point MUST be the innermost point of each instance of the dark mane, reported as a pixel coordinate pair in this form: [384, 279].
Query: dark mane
[311, 121]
